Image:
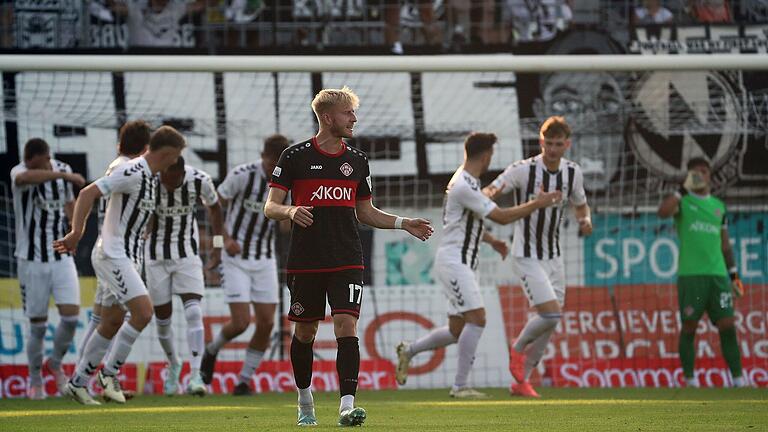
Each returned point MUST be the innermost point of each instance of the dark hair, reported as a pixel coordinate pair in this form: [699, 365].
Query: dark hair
[134, 136]
[166, 136]
[698, 161]
[478, 143]
[178, 166]
[35, 147]
[274, 145]
[555, 127]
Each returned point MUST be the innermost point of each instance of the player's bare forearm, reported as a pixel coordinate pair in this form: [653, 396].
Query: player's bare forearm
[37, 176]
[216, 214]
[582, 211]
[276, 210]
[584, 218]
[83, 207]
[488, 237]
[668, 206]
[725, 245]
[69, 210]
[374, 217]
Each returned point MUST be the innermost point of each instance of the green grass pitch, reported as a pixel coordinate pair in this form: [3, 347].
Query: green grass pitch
[412, 410]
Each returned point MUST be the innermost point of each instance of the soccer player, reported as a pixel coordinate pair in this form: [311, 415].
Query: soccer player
[464, 208]
[133, 142]
[704, 266]
[132, 186]
[249, 267]
[536, 257]
[174, 266]
[330, 188]
[43, 199]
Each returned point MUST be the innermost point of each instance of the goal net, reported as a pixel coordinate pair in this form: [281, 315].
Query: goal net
[633, 131]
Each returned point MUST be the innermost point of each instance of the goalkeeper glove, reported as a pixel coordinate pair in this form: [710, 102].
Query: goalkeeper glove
[738, 286]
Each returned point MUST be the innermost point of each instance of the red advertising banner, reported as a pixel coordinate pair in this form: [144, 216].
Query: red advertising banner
[628, 336]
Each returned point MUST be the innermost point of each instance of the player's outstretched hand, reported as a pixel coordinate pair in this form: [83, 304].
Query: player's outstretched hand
[546, 199]
[302, 216]
[419, 228]
[232, 246]
[76, 179]
[585, 226]
[501, 247]
[68, 244]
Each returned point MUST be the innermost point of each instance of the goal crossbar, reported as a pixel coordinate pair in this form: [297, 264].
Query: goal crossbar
[437, 63]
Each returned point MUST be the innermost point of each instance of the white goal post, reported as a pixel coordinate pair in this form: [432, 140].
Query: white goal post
[438, 63]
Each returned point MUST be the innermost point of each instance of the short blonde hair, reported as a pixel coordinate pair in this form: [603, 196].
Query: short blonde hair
[331, 97]
[555, 127]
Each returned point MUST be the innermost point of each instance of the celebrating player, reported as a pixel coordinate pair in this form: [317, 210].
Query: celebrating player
[249, 268]
[705, 262]
[132, 187]
[43, 200]
[330, 186]
[464, 208]
[174, 265]
[133, 142]
[536, 257]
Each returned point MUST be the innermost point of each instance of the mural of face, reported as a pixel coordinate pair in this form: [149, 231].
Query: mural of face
[593, 104]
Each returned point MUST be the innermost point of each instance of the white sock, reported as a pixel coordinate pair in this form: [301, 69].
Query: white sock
[65, 332]
[195, 333]
[535, 351]
[93, 323]
[437, 338]
[535, 328]
[93, 353]
[305, 397]
[123, 343]
[219, 341]
[35, 339]
[739, 382]
[347, 402]
[692, 382]
[468, 340]
[252, 360]
[165, 336]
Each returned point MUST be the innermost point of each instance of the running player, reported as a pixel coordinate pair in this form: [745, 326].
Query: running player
[133, 142]
[249, 267]
[132, 187]
[705, 263]
[536, 257]
[43, 200]
[464, 209]
[330, 186]
[173, 264]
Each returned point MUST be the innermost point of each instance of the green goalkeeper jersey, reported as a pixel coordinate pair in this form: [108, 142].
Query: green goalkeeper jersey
[699, 222]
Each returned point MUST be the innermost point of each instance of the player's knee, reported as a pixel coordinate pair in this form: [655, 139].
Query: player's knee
[193, 312]
[689, 327]
[265, 323]
[550, 319]
[726, 324]
[141, 317]
[305, 332]
[240, 323]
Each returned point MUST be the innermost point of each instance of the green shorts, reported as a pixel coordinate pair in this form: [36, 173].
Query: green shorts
[697, 294]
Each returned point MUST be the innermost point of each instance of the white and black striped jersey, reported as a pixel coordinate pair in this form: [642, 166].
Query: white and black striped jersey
[174, 232]
[464, 207]
[104, 200]
[538, 235]
[39, 214]
[246, 188]
[132, 188]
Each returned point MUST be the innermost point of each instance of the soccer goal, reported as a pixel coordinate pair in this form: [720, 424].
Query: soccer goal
[636, 120]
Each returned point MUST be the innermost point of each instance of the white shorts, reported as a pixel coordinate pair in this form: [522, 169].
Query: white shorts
[99, 294]
[542, 280]
[249, 281]
[41, 280]
[459, 284]
[120, 279]
[168, 277]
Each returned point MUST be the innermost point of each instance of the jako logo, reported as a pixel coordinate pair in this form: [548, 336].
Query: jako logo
[332, 193]
[315, 167]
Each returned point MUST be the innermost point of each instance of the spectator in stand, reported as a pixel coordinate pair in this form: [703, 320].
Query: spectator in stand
[6, 23]
[431, 30]
[155, 23]
[710, 11]
[537, 20]
[651, 12]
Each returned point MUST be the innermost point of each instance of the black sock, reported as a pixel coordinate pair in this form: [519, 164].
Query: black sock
[301, 359]
[348, 364]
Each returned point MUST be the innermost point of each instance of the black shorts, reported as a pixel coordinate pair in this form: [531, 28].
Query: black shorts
[344, 290]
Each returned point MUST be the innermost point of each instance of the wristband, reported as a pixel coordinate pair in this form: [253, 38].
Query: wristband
[218, 242]
[585, 219]
[399, 222]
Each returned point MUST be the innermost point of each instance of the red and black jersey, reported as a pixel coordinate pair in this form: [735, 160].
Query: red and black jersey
[332, 184]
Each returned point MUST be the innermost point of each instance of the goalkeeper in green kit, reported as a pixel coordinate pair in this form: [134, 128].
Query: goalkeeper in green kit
[707, 279]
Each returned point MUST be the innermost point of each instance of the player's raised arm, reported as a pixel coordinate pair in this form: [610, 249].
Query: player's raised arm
[372, 216]
[83, 207]
[37, 176]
